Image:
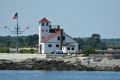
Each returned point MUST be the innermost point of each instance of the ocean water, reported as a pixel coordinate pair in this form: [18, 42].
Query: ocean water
[58, 75]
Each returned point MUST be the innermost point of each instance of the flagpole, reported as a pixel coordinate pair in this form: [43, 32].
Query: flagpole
[17, 29]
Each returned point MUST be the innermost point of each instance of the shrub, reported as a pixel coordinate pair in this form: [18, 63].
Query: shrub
[4, 50]
[89, 51]
[27, 51]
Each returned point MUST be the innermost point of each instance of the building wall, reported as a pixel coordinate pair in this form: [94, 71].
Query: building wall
[55, 41]
[65, 50]
[53, 47]
[44, 32]
[47, 49]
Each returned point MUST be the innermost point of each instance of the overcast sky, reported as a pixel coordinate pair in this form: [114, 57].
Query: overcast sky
[78, 18]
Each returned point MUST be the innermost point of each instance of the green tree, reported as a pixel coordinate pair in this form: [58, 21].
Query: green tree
[94, 41]
[31, 40]
[21, 42]
[96, 36]
[88, 51]
[80, 42]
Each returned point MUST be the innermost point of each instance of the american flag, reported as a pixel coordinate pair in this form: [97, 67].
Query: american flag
[15, 16]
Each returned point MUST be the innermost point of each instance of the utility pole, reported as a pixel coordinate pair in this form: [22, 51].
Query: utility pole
[61, 38]
[17, 31]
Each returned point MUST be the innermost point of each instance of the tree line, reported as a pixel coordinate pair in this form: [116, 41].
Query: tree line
[24, 41]
[94, 41]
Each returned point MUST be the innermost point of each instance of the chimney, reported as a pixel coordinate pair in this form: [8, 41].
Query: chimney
[61, 38]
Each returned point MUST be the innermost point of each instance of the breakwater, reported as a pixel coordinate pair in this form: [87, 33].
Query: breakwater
[46, 64]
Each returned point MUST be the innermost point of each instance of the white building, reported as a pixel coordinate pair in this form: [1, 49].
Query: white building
[52, 38]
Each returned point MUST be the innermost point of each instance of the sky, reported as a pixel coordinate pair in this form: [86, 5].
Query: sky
[78, 18]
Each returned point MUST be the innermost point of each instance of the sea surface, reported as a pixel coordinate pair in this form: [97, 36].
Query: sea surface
[58, 75]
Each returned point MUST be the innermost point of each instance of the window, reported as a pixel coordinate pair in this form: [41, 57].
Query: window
[42, 37]
[57, 45]
[52, 30]
[46, 30]
[72, 48]
[46, 24]
[42, 24]
[50, 26]
[63, 38]
[58, 37]
[68, 48]
[49, 45]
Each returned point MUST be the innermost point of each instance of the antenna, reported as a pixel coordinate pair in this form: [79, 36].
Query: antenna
[16, 31]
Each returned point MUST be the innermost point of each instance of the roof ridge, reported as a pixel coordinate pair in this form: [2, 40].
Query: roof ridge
[44, 20]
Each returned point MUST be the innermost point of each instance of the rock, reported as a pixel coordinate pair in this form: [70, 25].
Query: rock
[50, 64]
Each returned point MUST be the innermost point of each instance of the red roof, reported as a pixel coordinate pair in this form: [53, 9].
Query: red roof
[44, 20]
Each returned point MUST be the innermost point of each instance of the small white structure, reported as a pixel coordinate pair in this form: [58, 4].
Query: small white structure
[52, 38]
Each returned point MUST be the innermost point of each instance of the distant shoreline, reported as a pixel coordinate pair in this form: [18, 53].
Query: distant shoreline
[50, 65]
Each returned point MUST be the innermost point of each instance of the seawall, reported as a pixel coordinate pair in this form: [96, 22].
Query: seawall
[18, 56]
[46, 64]
[16, 61]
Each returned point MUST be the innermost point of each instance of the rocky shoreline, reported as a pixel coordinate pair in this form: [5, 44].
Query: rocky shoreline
[46, 64]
